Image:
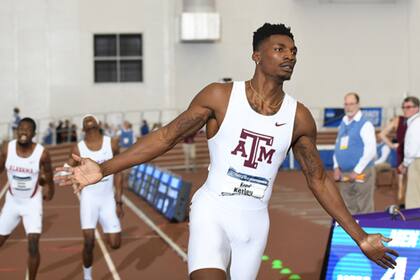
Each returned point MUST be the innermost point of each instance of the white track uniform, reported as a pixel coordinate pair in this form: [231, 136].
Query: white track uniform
[97, 201]
[229, 216]
[24, 198]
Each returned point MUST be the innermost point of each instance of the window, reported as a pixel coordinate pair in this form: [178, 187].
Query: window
[118, 58]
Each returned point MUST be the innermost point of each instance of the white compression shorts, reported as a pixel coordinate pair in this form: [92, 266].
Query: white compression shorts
[27, 209]
[102, 208]
[220, 233]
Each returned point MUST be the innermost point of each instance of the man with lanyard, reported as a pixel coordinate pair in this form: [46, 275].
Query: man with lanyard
[98, 202]
[354, 155]
[24, 161]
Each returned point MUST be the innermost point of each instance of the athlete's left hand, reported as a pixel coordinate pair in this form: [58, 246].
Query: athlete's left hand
[48, 193]
[375, 250]
[120, 210]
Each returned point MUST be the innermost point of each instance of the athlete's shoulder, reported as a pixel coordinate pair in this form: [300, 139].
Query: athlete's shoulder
[304, 122]
[302, 113]
[216, 90]
[213, 95]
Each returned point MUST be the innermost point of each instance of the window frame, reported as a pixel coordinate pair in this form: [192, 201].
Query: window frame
[118, 58]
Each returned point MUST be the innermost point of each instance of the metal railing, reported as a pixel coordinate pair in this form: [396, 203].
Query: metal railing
[162, 116]
[115, 119]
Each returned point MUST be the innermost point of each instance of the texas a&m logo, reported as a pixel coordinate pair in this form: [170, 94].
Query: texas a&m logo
[260, 150]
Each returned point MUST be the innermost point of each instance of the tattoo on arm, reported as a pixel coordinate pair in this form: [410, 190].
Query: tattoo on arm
[308, 157]
[186, 124]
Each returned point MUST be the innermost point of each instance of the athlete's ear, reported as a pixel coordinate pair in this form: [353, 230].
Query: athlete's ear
[256, 57]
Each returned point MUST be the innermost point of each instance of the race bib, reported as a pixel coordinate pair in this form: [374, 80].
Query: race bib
[22, 183]
[244, 184]
[344, 143]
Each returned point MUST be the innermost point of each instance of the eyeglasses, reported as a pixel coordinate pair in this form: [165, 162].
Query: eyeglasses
[408, 107]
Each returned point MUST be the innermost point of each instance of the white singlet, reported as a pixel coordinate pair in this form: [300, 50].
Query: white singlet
[24, 199]
[97, 201]
[230, 209]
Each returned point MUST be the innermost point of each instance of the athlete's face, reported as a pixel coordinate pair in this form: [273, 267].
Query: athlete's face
[89, 122]
[276, 56]
[25, 133]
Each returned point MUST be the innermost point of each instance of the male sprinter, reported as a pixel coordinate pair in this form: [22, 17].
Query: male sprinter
[250, 126]
[24, 160]
[98, 202]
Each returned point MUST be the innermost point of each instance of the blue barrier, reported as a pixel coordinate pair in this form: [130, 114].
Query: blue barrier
[163, 190]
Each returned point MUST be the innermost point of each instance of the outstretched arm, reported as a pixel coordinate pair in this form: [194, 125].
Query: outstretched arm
[202, 108]
[325, 191]
[160, 141]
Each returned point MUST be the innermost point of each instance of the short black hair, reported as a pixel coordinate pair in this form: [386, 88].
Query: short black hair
[267, 30]
[413, 100]
[30, 121]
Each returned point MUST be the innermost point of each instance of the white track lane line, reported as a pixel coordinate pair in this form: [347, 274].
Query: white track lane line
[106, 254]
[151, 224]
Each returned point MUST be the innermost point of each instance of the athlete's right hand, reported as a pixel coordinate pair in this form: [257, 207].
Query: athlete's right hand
[86, 173]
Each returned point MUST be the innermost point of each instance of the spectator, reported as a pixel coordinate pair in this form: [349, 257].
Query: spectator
[126, 135]
[144, 128]
[15, 121]
[59, 132]
[397, 125]
[354, 154]
[73, 133]
[108, 130]
[411, 163]
[47, 139]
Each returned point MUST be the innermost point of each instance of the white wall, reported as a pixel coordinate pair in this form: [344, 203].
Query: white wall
[414, 47]
[342, 47]
[46, 52]
[47, 56]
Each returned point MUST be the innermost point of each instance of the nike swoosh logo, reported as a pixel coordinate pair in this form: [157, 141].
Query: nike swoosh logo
[280, 124]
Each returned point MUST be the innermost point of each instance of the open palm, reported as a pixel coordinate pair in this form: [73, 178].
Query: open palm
[87, 173]
[373, 248]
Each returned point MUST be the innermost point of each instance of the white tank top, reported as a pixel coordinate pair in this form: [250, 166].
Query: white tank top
[247, 151]
[105, 186]
[23, 173]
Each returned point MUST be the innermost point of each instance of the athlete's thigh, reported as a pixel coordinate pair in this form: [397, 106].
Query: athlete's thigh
[208, 245]
[89, 211]
[9, 218]
[32, 215]
[248, 235]
[108, 215]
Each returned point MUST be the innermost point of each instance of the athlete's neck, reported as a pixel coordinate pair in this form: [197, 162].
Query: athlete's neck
[93, 135]
[267, 87]
[26, 148]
